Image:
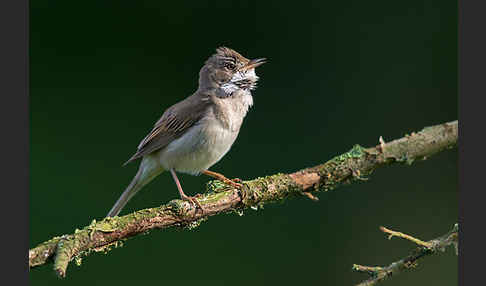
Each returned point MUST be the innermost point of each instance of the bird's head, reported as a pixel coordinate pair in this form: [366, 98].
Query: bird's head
[230, 71]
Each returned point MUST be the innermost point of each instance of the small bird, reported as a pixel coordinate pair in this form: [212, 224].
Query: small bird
[195, 133]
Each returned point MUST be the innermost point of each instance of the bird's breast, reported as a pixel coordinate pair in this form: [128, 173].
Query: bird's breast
[199, 148]
[231, 111]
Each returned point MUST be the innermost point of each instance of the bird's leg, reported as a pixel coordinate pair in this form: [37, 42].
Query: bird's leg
[181, 192]
[223, 179]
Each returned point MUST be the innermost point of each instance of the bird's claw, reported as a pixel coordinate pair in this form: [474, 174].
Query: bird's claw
[234, 183]
[192, 200]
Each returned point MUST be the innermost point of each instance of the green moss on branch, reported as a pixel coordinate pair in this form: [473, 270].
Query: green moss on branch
[354, 165]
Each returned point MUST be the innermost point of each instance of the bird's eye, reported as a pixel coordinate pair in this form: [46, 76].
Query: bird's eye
[230, 66]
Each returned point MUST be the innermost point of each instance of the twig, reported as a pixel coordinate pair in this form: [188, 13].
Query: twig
[405, 236]
[379, 274]
[352, 166]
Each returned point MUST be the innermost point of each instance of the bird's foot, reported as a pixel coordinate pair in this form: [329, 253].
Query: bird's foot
[192, 200]
[234, 183]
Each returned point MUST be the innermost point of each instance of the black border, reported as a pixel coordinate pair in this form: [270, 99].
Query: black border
[472, 78]
[14, 21]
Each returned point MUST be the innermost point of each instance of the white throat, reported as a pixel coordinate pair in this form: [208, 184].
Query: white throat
[241, 80]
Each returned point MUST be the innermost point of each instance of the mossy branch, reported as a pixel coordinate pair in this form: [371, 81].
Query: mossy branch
[379, 274]
[352, 166]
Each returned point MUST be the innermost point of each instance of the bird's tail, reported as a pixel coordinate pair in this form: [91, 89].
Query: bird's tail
[146, 173]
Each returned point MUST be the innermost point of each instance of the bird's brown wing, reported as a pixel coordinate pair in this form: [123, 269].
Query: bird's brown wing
[175, 121]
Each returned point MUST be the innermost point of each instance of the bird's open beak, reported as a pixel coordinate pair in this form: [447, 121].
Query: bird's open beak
[254, 63]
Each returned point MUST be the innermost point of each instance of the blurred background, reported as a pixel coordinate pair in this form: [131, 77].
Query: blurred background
[339, 73]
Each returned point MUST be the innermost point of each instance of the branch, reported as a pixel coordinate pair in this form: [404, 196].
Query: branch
[379, 274]
[352, 166]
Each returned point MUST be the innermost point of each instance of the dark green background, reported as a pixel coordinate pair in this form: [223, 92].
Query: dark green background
[339, 73]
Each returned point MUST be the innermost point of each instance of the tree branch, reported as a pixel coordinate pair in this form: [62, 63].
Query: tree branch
[379, 274]
[354, 165]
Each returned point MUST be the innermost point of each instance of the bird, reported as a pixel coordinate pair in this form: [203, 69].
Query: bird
[195, 133]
